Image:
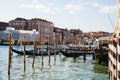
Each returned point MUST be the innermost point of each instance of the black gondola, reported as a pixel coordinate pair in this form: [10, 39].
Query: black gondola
[69, 54]
[37, 52]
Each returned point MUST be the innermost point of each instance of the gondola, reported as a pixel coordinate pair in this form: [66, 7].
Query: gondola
[69, 54]
[37, 52]
[18, 51]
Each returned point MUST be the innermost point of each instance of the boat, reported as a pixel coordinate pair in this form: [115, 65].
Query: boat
[67, 54]
[18, 51]
[37, 52]
[101, 54]
[70, 53]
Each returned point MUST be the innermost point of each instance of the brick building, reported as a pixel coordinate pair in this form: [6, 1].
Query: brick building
[44, 27]
[19, 24]
[59, 34]
[3, 26]
[72, 36]
[98, 34]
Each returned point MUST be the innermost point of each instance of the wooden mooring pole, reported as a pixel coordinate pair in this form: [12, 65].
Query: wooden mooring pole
[34, 54]
[42, 51]
[84, 57]
[55, 45]
[24, 54]
[60, 45]
[49, 50]
[39, 46]
[93, 56]
[9, 55]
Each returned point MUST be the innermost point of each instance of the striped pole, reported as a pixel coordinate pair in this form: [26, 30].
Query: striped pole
[114, 58]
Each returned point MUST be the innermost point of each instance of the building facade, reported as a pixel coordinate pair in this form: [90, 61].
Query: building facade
[44, 27]
[72, 36]
[3, 26]
[59, 34]
[19, 35]
[19, 24]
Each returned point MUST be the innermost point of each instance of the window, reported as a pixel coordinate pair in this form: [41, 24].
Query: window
[13, 24]
[33, 23]
[18, 23]
[10, 24]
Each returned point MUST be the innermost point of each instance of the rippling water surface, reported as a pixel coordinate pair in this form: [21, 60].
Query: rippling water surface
[63, 69]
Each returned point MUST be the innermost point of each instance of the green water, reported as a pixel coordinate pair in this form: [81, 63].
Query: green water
[63, 69]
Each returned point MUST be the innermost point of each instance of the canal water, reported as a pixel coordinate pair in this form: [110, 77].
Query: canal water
[63, 69]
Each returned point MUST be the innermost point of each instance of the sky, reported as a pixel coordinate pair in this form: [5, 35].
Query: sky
[86, 15]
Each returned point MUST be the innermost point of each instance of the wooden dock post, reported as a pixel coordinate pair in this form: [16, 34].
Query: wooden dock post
[78, 43]
[39, 45]
[55, 45]
[60, 45]
[24, 54]
[42, 50]
[93, 56]
[49, 50]
[34, 54]
[74, 58]
[9, 55]
[84, 57]
[72, 40]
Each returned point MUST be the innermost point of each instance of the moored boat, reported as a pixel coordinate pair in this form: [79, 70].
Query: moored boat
[37, 52]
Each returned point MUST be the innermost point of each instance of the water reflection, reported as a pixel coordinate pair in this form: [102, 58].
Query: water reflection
[100, 68]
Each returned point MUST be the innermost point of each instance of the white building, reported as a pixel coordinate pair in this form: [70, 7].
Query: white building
[19, 34]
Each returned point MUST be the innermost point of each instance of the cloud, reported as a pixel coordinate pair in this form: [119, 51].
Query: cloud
[97, 5]
[40, 7]
[73, 8]
[105, 8]
[108, 9]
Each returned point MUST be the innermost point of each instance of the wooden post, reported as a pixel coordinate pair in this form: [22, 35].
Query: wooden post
[93, 56]
[75, 42]
[9, 55]
[64, 45]
[39, 46]
[84, 57]
[72, 41]
[78, 42]
[42, 50]
[24, 54]
[79, 45]
[74, 58]
[49, 50]
[34, 54]
[17, 44]
[11, 47]
[55, 49]
[60, 45]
